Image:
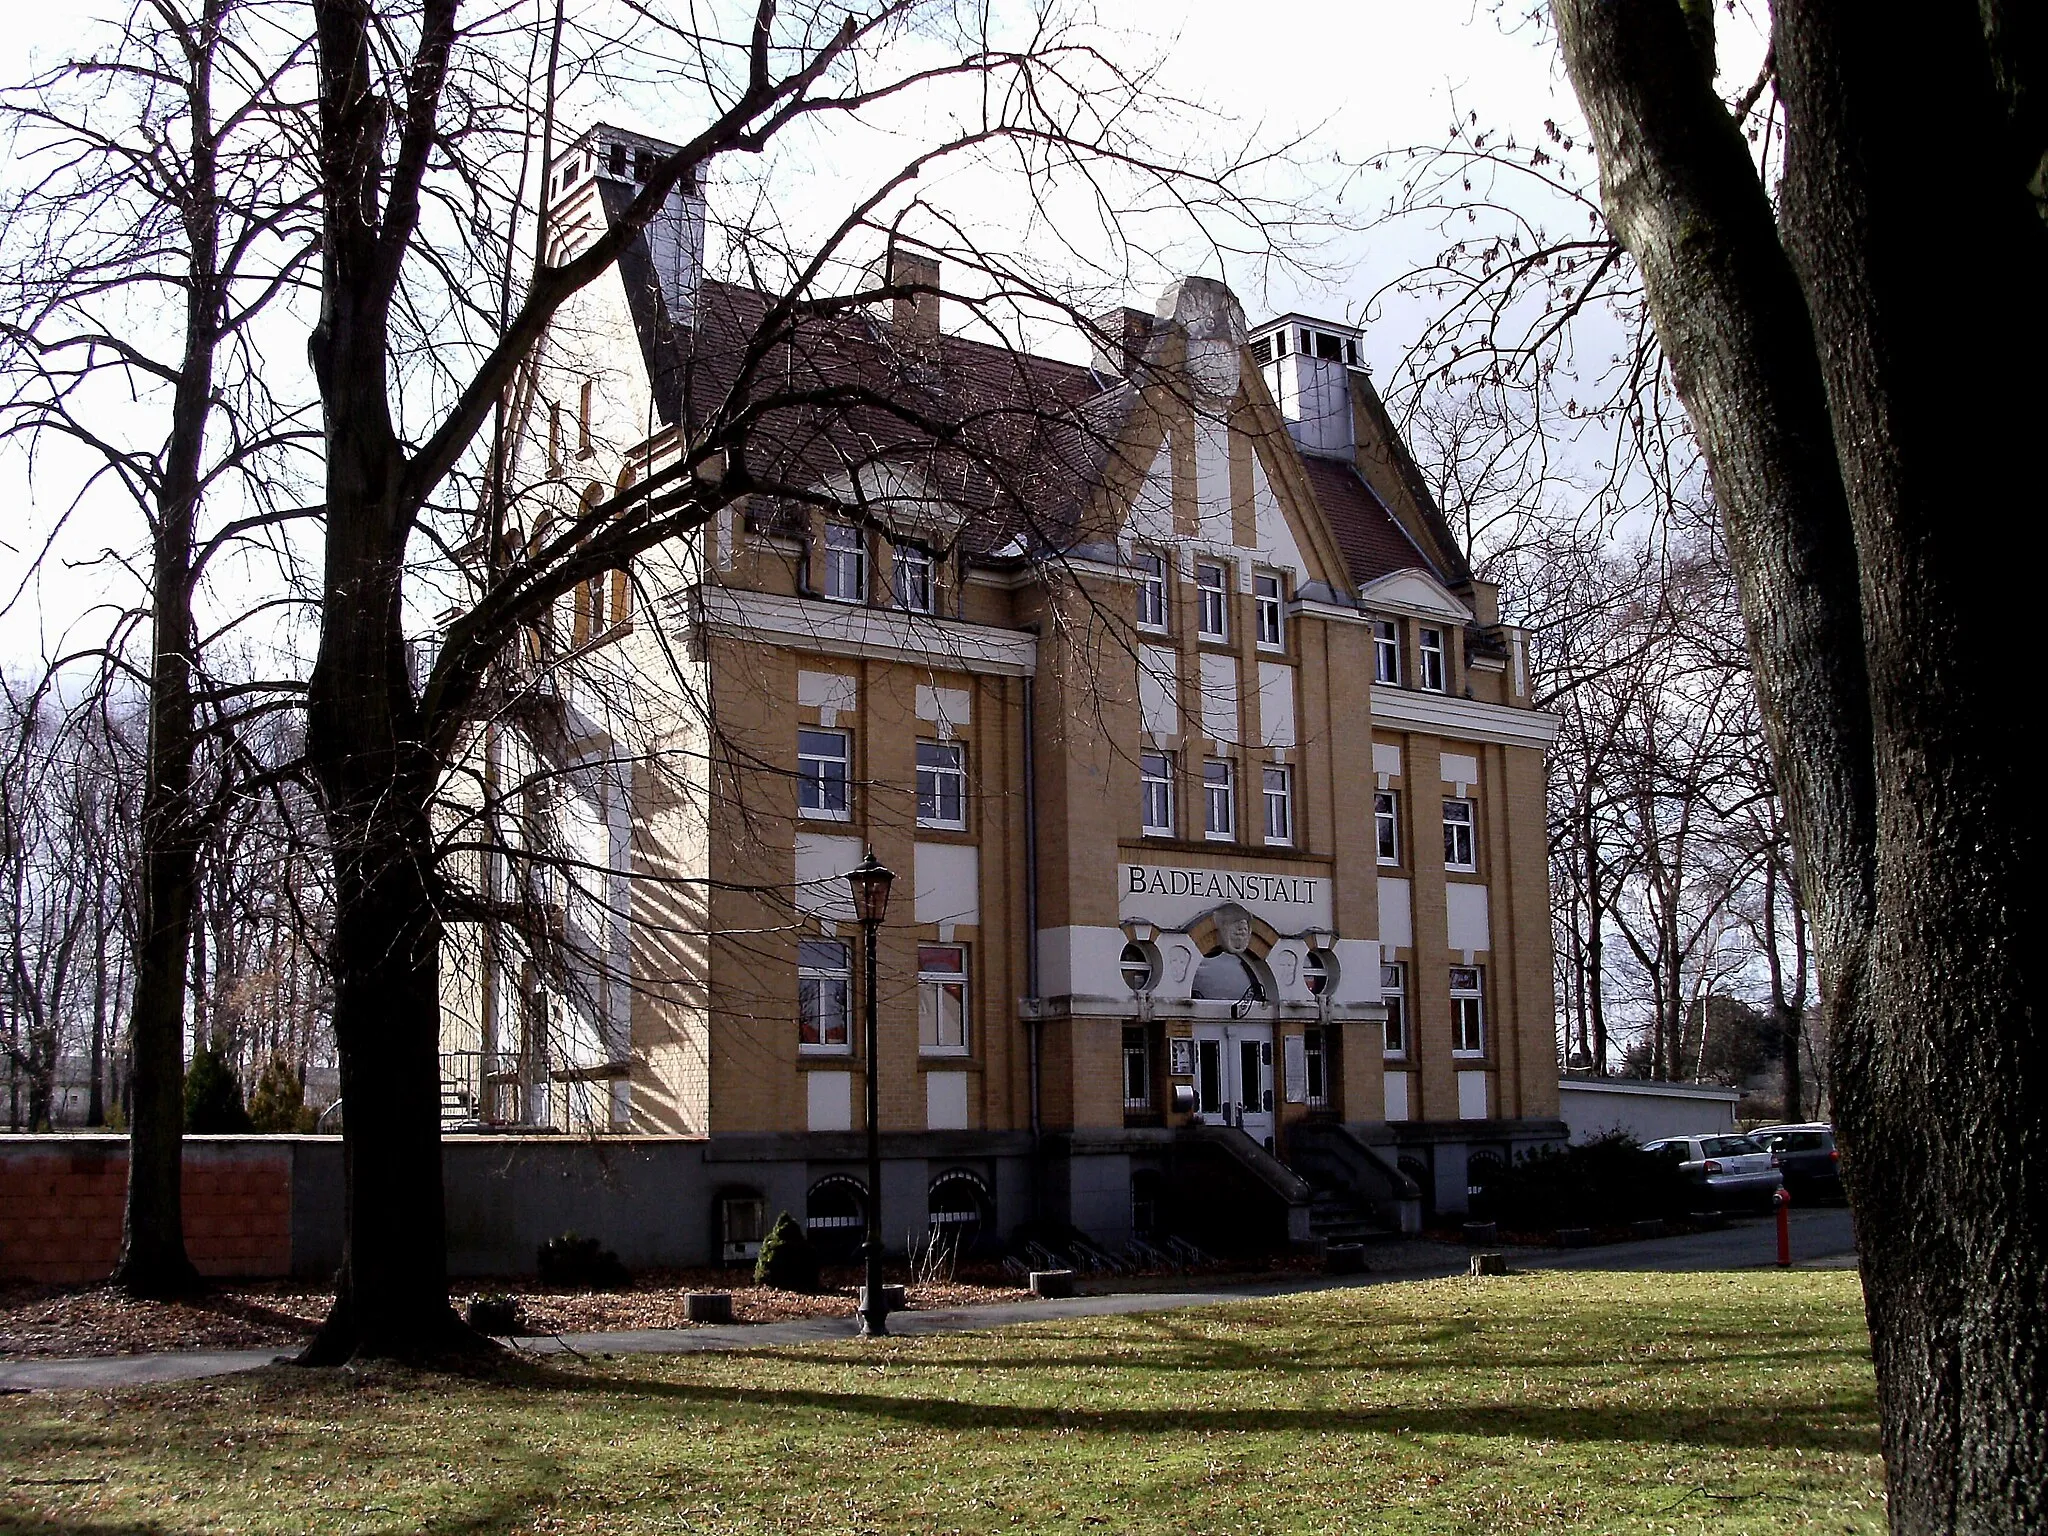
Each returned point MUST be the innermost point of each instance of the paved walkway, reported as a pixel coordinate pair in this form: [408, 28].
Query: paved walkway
[1820, 1239]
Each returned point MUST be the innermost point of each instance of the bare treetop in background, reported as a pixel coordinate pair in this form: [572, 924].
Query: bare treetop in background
[1537, 399]
[162, 177]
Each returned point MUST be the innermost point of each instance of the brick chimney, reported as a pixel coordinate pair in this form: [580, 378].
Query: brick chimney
[1117, 339]
[915, 319]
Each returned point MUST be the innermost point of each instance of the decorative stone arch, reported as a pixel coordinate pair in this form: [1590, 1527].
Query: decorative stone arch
[835, 1215]
[960, 1209]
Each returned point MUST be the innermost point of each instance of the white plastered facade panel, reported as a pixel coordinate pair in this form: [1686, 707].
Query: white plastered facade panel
[1467, 917]
[1396, 929]
[822, 861]
[830, 1100]
[948, 883]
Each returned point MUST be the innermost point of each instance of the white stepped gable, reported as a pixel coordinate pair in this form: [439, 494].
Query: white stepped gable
[1212, 481]
[1278, 547]
[1151, 517]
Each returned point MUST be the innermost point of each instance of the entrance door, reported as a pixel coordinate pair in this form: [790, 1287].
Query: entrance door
[1234, 1078]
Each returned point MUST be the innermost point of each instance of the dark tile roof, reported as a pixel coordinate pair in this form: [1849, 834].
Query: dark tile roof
[1373, 543]
[1012, 440]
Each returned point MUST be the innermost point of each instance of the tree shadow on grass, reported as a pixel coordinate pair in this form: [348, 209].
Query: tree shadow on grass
[1808, 1423]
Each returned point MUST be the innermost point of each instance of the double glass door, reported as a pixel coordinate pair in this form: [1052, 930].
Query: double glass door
[1234, 1078]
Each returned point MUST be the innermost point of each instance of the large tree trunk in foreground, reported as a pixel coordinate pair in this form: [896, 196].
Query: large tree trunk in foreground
[375, 778]
[1873, 454]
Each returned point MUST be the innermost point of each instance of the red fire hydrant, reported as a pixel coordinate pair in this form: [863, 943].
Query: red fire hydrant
[1783, 1201]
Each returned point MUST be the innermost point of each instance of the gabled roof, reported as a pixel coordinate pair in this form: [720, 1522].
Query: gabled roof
[1373, 542]
[1010, 439]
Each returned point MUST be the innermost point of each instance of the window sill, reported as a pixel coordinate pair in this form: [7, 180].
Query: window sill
[1478, 1056]
[1390, 864]
[943, 826]
[931, 1056]
[824, 1053]
[837, 818]
[1461, 869]
[1219, 837]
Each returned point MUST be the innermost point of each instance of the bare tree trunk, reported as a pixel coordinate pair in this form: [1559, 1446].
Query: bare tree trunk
[1827, 399]
[153, 1260]
[96, 1098]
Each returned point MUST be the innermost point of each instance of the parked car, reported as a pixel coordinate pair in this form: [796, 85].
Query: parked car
[1731, 1171]
[1806, 1156]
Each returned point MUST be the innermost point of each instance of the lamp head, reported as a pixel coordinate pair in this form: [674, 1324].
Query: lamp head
[870, 879]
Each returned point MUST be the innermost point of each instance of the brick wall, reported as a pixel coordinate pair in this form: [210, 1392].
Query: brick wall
[60, 1207]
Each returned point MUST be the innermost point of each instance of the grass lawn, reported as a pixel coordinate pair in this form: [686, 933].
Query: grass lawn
[1737, 1402]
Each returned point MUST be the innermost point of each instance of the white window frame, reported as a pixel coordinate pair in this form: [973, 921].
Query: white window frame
[1386, 826]
[1212, 601]
[812, 970]
[1434, 674]
[1386, 652]
[813, 789]
[1155, 793]
[934, 778]
[1468, 1012]
[1394, 994]
[935, 984]
[846, 563]
[1219, 793]
[1461, 836]
[1269, 599]
[916, 579]
[1154, 616]
[1280, 800]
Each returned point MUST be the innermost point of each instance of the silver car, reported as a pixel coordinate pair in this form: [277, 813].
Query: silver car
[1732, 1170]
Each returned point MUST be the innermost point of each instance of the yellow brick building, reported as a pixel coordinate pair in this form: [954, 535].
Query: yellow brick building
[1208, 771]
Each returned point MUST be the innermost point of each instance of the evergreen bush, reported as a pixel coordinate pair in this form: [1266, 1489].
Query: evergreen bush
[278, 1106]
[213, 1098]
[787, 1262]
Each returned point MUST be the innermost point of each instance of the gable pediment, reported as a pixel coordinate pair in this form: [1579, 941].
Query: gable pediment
[1414, 592]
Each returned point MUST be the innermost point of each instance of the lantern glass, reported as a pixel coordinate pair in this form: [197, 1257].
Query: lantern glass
[870, 880]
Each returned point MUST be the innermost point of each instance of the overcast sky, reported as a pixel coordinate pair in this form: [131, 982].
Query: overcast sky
[1356, 77]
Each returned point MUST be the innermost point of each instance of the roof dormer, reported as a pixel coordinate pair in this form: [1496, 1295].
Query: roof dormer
[1307, 363]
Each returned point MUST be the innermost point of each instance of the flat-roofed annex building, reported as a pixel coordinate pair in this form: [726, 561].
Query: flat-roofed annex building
[1209, 773]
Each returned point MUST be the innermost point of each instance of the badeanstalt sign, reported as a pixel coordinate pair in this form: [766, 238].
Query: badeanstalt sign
[1172, 896]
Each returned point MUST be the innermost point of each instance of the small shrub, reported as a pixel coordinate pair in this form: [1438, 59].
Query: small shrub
[580, 1263]
[786, 1262]
[1608, 1181]
[278, 1106]
[213, 1099]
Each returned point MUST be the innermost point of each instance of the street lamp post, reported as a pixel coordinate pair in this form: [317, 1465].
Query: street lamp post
[870, 880]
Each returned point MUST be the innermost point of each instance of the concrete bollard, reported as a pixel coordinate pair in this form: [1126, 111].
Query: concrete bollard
[893, 1299]
[1489, 1264]
[1481, 1232]
[708, 1306]
[1051, 1284]
[1574, 1237]
[1651, 1227]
